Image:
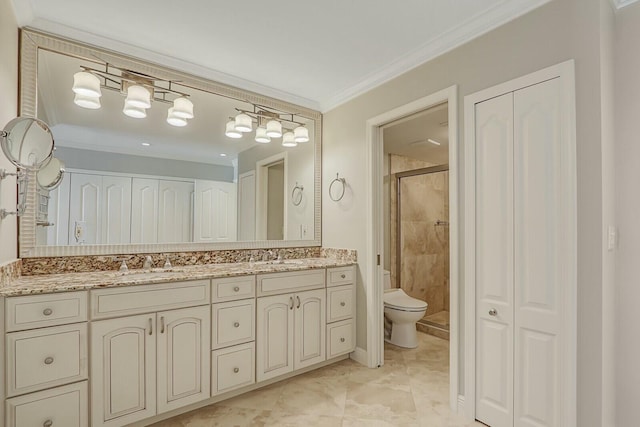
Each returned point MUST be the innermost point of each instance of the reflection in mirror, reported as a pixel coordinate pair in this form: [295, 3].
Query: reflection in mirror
[27, 142]
[149, 160]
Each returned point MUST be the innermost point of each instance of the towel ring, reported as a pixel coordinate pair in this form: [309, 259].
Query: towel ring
[342, 182]
[296, 194]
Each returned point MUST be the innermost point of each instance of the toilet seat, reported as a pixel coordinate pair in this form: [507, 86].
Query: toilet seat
[397, 299]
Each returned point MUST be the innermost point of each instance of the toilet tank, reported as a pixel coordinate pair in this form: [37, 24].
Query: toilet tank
[387, 279]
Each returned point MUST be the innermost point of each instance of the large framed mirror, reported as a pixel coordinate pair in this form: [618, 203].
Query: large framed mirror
[158, 160]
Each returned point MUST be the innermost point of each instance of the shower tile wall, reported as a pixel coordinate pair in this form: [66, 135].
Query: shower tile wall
[425, 250]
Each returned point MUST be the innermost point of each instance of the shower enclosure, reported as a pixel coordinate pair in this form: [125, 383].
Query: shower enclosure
[422, 245]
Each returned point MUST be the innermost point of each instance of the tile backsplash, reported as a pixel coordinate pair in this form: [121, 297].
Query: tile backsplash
[10, 271]
[78, 264]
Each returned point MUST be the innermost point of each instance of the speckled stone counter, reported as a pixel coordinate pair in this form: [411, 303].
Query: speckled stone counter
[48, 283]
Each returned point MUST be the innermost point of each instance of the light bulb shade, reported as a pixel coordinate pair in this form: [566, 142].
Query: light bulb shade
[84, 101]
[87, 84]
[274, 129]
[301, 134]
[135, 112]
[183, 108]
[138, 96]
[243, 123]
[288, 140]
[174, 120]
[231, 131]
[261, 136]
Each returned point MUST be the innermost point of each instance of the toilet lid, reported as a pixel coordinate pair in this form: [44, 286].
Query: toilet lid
[399, 300]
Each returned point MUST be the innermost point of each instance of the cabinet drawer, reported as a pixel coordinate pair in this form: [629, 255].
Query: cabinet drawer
[279, 283]
[129, 300]
[341, 303]
[47, 357]
[341, 275]
[233, 288]
[62, 406]
[233, 323]
[37, 311]
[341, 338]
[232, 368]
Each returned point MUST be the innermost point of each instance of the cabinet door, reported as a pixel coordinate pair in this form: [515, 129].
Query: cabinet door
[85, 214]
[116, 210]
[184, 352]
[144, 210]
[215, 211]
[274, 342]
[174, 211]
[123, 370]
[310, 328]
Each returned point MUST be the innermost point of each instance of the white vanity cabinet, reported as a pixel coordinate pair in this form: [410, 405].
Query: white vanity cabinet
[291, 325]
[46, 360]
[150, 363]
[341, 311]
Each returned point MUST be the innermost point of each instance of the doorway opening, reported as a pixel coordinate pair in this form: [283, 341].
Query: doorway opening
[271, 206]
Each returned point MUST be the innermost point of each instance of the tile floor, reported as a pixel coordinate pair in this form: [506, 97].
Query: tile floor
[411, 389]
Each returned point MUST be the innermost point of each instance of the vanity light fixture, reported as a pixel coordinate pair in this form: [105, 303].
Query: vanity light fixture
[288, 140]
[274, 129]
[261, 135]
[231, 131]
[243, 123]
[139, 89]
[301, 134]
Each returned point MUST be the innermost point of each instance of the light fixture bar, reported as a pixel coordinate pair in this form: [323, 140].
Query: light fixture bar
[134, 78]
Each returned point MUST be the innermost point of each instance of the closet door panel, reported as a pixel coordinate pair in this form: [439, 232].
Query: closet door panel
[175, 211]
[494, 261]
[539, 258]
[85, 214]
[116, 210]
[144, 210]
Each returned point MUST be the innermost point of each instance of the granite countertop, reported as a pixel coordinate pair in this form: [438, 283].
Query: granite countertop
[48, 283]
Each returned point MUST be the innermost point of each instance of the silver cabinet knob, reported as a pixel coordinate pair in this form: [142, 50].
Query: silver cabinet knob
[236, 370]
[236, 324]
[493, 312]
[344, 276]
[341, 339]
[236, 289]
[47, 312]
[342, 304]
[48, 360]
[47, 423]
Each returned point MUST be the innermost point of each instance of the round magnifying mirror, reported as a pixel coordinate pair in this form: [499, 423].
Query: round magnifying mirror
[28, 142]
[50, 175]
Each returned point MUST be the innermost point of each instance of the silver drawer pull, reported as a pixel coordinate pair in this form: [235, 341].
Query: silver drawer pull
[493, 312]
[236, 370]
[342, 304]
[47, 423]
[341, 339]
[344, 276]
[48, 360]
[236, 289]
[236, 324]
[47, 312]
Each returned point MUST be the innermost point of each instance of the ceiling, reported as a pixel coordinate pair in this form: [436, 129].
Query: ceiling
[409, 137]
[316, 54]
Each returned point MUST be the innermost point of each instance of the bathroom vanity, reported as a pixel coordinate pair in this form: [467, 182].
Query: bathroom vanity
[114, 349]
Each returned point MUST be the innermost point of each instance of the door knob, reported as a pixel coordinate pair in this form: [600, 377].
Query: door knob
[493, 312]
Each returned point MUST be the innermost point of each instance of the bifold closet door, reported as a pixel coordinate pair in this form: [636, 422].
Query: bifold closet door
[494, 261]
[522, 256]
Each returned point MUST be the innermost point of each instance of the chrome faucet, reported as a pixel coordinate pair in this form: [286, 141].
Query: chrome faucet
[123, 266]
[148, 263]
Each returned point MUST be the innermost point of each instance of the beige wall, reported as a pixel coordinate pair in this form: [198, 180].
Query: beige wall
[627, 211]
[8, 110]
[556, 32]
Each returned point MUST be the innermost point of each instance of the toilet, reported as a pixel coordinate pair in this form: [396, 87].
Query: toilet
[401, 312]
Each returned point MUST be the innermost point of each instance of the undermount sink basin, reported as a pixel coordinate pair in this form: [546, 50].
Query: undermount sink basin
[147, 273]
[281, 262]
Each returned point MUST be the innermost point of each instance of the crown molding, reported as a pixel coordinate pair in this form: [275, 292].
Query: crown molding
[619, 4]
[58, 29]
[457, 36]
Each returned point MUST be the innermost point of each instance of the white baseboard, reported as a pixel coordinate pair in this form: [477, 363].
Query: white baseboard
[460, 409]
[360, 356]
